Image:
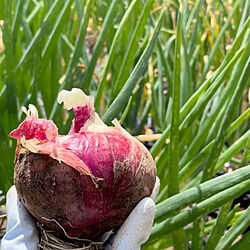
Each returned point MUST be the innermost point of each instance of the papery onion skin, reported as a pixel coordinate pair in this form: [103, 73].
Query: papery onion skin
[87, 182]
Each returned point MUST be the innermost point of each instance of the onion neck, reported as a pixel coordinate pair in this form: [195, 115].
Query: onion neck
[86, 119]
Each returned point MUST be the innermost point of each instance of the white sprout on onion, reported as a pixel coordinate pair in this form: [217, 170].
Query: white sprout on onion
[31, 112]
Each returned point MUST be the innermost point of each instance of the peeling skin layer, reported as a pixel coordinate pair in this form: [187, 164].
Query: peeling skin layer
[41, 129]
[86, 181]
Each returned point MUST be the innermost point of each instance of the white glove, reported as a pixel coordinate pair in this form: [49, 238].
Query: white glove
[22, 232]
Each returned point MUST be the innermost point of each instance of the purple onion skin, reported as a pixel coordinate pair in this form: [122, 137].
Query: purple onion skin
[85, 206]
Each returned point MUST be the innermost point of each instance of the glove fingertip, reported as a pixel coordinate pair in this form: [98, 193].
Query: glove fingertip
[130, 235]
[156, 189]
[11, 194]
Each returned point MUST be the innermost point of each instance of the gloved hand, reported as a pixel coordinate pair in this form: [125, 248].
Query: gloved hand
[22, 232]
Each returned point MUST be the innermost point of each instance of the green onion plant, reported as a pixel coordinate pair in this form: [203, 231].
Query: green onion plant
[177, 68]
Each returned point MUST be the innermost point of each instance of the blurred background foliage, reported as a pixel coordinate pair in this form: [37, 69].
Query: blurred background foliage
[175, 73]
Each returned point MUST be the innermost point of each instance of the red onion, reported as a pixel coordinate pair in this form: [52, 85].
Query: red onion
[84, 183]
